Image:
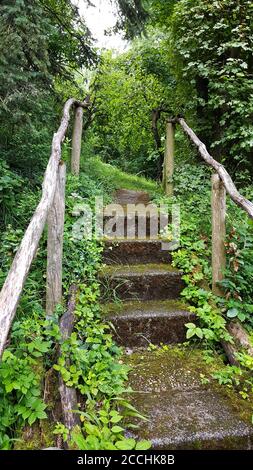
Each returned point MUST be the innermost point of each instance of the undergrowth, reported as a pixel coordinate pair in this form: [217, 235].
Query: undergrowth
[193, 193]
[110, 178]
[96, 369]
[90, 361]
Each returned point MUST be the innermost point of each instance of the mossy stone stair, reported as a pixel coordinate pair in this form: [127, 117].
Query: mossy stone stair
[183, 412]
[137, 252]
[139, 323]
[142, 282]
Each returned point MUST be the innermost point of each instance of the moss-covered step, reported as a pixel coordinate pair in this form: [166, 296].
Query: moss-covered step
[129, 196]
[135, 252]
[137, 216]
[142, 282]
[137, 324]
[142, 224]
[182, 412]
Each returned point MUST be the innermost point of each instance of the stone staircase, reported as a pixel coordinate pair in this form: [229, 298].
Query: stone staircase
[184, 411]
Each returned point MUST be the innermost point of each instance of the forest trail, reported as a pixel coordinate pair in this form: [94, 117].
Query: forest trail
[184, 410]
[156, 109]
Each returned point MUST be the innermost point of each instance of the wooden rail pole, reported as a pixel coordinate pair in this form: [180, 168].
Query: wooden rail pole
[55, 243]
[77, 141]
[15, 280]
[231, 189]
[168, 169]
[218, 232]
[68, 395]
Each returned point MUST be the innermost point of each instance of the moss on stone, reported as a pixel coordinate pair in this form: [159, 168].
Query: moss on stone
[185, 413]
[36, 437]
[115, 270]
[117, 307]
[186, 364]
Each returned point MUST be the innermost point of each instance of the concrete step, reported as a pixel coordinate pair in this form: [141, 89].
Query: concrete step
[183, 413]
[142, 282]
[139, 323]
[135, 252]
[136, 216]
[141, 225]
[129, 196]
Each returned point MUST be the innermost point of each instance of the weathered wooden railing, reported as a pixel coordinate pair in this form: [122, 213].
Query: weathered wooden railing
[50, 209]
[221, 184]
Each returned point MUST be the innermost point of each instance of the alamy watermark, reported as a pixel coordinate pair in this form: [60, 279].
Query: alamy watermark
[130, 221]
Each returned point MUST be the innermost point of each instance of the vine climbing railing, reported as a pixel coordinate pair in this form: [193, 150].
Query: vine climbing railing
[222, 183]
[50, 210]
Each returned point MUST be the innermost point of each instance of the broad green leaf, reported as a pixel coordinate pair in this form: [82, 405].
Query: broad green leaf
[143, 445]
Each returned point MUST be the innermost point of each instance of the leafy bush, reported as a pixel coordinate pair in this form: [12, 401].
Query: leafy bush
[10, 185]
[95, 370]
[209, 46]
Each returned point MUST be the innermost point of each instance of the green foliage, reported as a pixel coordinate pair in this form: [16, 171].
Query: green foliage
[10, 184]
[103, 430]
[41, 42]
[132, 14]
[210, 46]
[70, 46]
[95, 369]
[31, 351]
[238, 377]
[239, 273]
[20, 376]
[24, 72]
[228, 376]
[209, 49]
[126, 89]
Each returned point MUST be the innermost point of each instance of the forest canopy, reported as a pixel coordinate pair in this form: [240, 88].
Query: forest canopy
[43, 43]
[192, 58]
[209, 48]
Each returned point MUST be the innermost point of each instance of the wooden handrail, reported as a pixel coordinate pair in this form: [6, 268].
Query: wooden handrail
[230, 187]
[221, 183]
[15, 280]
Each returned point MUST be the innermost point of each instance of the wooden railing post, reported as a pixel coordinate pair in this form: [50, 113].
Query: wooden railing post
[218, 232]
[55, 243]
[168, 168]
[77, 141]
[17, 275]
